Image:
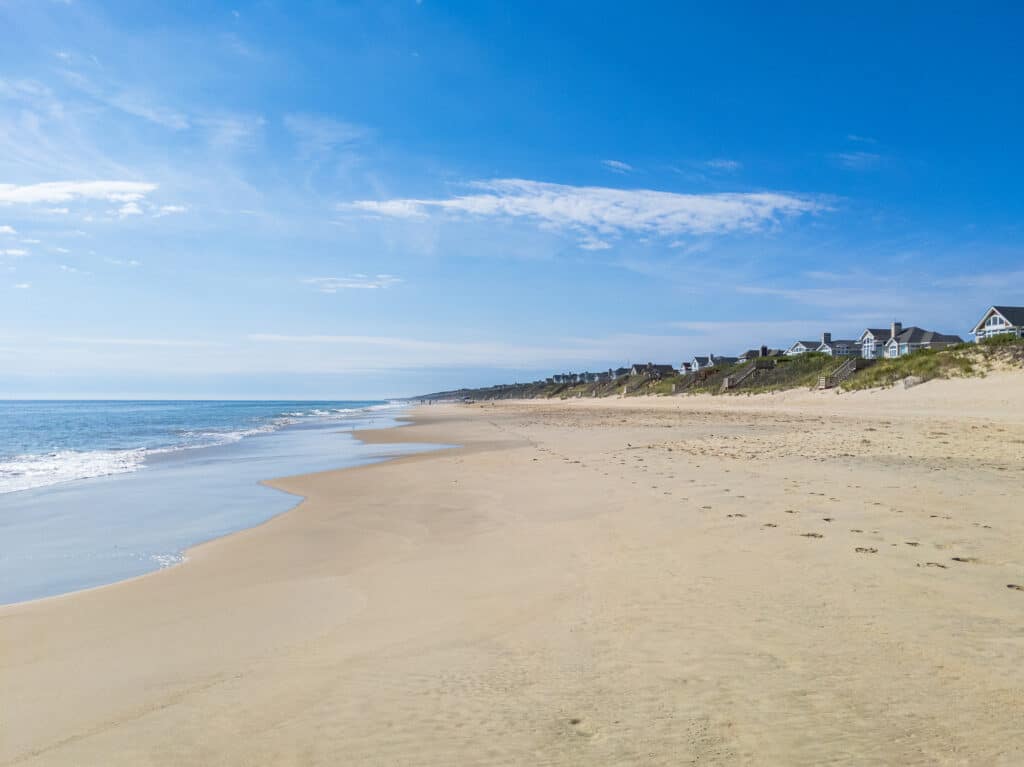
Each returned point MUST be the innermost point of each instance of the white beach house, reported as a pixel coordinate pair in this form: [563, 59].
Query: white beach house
[873, 340]
[843, 347]
[1000, 320]
[897, 341]
[801, 347]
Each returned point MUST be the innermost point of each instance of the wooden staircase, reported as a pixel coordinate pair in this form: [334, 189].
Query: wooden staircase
[731, 382]
[843, 372]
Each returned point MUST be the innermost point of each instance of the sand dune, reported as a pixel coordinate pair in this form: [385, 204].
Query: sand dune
[797, 579]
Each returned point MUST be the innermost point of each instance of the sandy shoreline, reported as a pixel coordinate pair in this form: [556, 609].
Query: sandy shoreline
[788, 579]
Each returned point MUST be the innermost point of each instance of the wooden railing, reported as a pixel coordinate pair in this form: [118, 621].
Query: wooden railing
[731, 382]
[843, 372]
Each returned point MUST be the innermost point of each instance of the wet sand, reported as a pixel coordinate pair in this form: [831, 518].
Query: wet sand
[797, 579]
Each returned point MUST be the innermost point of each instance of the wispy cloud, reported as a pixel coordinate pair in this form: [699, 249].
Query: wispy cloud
[22, 285]
[122, 262]
[132, 341]
[130, 101]
[353, 282]
[14, 252]
[607, 211]
[231, 130]
[856, 160]
[729, 166]
[169, 210]
[67, 191]
[316, 134]
[7, 230]
[860, 139]
[389, 352]
[617, 166]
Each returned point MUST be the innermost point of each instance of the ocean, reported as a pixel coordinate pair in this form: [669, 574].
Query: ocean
[92, 492]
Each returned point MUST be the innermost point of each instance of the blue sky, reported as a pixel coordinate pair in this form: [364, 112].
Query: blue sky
[282, 199]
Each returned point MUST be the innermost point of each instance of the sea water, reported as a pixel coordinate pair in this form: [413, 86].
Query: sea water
[96, 492]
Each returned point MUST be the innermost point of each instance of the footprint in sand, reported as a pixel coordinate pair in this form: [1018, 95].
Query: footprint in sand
[912, 543]
[828, 519]
[812, 535]
[1015, 587]
[866, 550]
[965, 559]
[769, 524]
[933, 564]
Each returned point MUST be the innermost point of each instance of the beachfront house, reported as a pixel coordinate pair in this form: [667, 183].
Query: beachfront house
[873, 340]
[838, 348]
[702, 363]
[912, 339]
[1000, 320]
[650, 370]
[896, 341]
[801, 347]
[751, 354]
[619, 372]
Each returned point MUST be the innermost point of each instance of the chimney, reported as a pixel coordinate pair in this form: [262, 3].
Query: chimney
[826, 338]
[897, 328]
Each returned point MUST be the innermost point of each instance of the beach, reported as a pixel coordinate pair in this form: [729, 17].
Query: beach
[803, 578]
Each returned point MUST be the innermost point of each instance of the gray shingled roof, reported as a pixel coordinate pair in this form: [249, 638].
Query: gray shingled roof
[916, 335]
[1015, 314]
[880, 334]
[837, 342]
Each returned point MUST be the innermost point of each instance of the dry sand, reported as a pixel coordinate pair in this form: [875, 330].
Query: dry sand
[798, 579]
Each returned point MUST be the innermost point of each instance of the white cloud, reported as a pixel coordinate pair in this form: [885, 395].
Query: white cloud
[392, 208]
[23, 285]
[14, 252]
[129, 209]
[725, 165]
[856, 160]
[594, 243]
[67, 191]
[31, 242]
[354, 282]
[617, 165]
[167, 210]
[606, 211]
[861, 139]
[62, 250]
[122, 262]
[7, 230]
[57, 211]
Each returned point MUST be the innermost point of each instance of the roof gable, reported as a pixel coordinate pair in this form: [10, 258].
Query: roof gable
[1012, 314]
